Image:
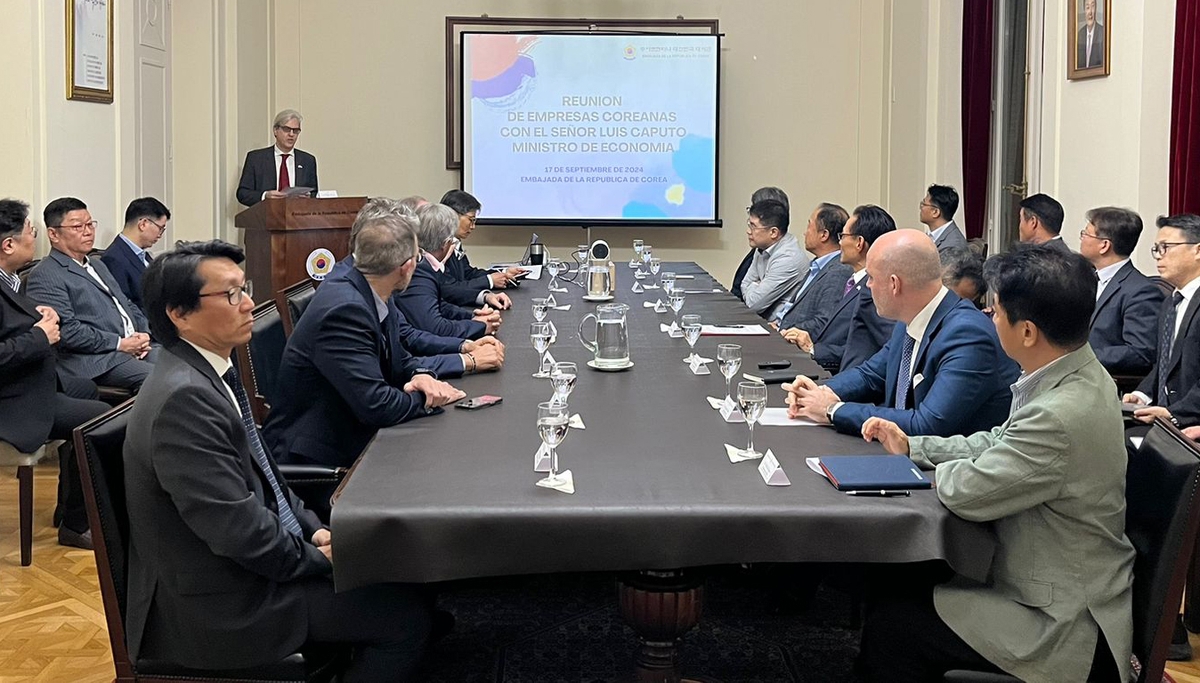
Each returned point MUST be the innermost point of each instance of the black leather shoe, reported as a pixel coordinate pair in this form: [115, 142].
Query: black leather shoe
[443, 624]
[74, 539]
[1181, 649]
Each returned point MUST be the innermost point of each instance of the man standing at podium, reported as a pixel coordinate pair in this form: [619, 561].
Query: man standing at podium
[269, 172]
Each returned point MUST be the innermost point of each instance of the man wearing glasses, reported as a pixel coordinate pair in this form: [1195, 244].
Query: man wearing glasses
[779, 265]
[1172, 389]
[128, 255]
[270, 172]
[104, 335]
[1124, 328]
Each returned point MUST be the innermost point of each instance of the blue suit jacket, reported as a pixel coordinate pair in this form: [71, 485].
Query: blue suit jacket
[1125, 323]
[458, 268]
[815, 302]
[88, 319]
[965, 385]
[829, 341]
[425, 307]
[126, 269]
[346, 383]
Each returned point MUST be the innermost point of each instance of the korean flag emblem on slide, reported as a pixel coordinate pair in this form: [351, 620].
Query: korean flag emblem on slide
[630, 52]
[319, 263]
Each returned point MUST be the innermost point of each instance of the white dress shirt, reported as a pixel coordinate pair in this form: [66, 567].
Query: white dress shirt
[920, 323]
[291, 167]
[1106, 274]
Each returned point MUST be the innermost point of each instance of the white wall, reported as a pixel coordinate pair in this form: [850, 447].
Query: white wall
[1105, 140]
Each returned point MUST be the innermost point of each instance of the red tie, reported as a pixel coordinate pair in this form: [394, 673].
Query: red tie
[285, 180]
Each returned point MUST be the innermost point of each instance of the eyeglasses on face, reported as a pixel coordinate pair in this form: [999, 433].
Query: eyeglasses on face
[1084, 233]
[1159, 249]
[289, 129]
[234, 294]
[161, 228]
[80, 227]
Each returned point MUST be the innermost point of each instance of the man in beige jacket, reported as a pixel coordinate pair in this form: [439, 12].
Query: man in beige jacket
[1051, 479]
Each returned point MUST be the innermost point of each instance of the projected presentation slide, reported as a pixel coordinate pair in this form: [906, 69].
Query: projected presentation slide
[578, 128]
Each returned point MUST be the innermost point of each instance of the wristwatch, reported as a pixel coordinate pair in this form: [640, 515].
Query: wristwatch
[831, 410]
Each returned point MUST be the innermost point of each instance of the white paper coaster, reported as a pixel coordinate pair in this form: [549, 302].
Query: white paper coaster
[576, 422]
[566, 485]
[738, 455]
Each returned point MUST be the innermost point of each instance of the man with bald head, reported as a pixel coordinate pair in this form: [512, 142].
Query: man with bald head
[943, 371]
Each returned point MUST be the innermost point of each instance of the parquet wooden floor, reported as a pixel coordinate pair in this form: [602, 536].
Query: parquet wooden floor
[52, 627]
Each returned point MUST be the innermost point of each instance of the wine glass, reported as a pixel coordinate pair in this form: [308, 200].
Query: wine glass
[539, 334]
[729, 361]
[540, 305]
[552, 425]
[675, 299]
[666, 280]
[562, 378]
[554, 266]
[637, 254]
[655, 266]
[752, 400]
[647, 254]
[691, 332]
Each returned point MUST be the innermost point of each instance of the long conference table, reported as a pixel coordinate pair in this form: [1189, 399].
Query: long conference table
[452, 496]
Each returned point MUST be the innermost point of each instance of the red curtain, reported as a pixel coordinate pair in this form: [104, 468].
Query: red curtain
[977, 112]
[1185, 110]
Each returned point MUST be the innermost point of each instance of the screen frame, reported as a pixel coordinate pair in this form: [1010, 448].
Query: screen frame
[483, 219]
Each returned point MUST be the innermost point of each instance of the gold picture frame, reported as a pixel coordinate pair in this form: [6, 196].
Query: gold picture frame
[1089, 58]
[89, 28]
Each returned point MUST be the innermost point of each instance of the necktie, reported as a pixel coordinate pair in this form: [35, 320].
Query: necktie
[285, 180]
[904, 378]
[286, 517]
[1166, 340]
[1087, 59]
[146, 258]
[849, 285]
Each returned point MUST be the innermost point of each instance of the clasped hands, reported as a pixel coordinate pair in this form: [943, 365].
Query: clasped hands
[323, 540]
[48, 323]
[799, 337]
[136, 345]
[809, 400]
[489, 317]
[500, 302]
[487, 351]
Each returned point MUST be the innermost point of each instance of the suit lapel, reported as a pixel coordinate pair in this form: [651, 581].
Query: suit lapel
[1188, 318]
[74, 268]
[939, 314]
[127, 253]
[1110, 290]
[20, 301]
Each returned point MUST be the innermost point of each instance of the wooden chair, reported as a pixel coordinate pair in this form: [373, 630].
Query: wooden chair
[24, 462]
[1162, 517]
[99, 445]
[293, 300]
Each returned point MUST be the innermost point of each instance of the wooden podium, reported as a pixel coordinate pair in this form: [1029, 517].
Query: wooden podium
[282, 233]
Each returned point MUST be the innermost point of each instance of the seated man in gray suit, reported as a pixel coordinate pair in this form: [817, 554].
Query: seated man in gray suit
[1051, 480]
[778, 266]
[937, 214]
[814, 303]
[227, 568]
[104, 335]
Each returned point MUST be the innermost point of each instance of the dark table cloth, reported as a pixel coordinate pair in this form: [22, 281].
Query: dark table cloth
[452, 496]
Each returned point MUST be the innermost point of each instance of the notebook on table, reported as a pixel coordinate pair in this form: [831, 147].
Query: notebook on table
[872, 473]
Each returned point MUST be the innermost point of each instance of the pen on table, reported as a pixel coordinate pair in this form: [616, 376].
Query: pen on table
[879, 494]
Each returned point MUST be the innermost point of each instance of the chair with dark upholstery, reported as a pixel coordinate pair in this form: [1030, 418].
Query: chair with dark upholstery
[99, 445]
[258, 362]
[295, 300]
[1162, 516]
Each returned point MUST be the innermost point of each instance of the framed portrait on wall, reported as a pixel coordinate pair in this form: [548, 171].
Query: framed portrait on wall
[1089, 29]
[90, 50]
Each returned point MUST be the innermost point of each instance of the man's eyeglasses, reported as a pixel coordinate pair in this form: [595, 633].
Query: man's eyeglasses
[161, 228]
[289, 129]
[1084, 233]
[844, 235]
[1159, 249]
[90, 225]
[234, 294]
[470, 219]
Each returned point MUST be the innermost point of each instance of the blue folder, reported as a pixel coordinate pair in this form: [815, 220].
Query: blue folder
[873, 473]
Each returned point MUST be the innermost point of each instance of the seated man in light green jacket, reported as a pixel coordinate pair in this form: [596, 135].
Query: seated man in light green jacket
[1051, 479]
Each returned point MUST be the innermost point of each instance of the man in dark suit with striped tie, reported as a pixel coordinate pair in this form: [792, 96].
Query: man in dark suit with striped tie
[227, 568]
[1172, 389]
[129, 253]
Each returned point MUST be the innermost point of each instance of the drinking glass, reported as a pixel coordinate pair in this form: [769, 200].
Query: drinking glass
[554, 266]
[666, 280]
[581, 253]
[691, 332]
[541, 305]
[539, 334]
[729, 361]
[647, 254]
[752, 399]
[562, 378]
[675, 299]
[637, 254]
[655, 266]
[552, 426]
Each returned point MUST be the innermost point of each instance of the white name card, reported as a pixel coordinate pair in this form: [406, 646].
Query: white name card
[541, 459]
[771, 472]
